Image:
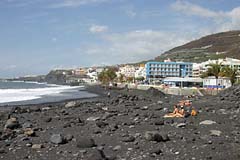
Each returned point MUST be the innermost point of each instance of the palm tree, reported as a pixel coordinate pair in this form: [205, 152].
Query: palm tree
[102, 77]
[121, 78]
[107, 75]
[214, 70]
[217, 70]
[230, 72]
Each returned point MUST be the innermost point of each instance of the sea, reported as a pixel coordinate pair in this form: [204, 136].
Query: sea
[25, 93]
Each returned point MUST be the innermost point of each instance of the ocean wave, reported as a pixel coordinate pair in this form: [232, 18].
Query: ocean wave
[14, 95]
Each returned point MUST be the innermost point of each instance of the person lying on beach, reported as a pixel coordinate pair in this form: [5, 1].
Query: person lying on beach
[176, 112]
[181, 112]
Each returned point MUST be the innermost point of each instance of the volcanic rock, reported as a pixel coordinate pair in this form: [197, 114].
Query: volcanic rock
[101, 124]
[159, 102]
[93, 118]
[27, 125]
[153, 136]
[159, 122]
[215, 133]
[29, 132]
[71, 104]
[48, 119]
[165, 137]
[37, 146]
[85, 142]
[181, 125]
[144, 108]
[68, 137]
[96, 155]
[11, 123]
[230, 94]
[156, 151]
[2, 150]
[57, 139]
[116, 148]
[128, 139]
[207, 122]
[155, 92]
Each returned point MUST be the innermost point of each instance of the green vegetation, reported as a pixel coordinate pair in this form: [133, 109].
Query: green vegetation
[205, 48]
[107, 75]
[190, 56]
[121, 78]
[229, 72]
[139, 79]
[214, 70]
[217, 70]
[129, 79]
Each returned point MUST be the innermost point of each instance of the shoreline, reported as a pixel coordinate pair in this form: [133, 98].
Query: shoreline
[88, 89]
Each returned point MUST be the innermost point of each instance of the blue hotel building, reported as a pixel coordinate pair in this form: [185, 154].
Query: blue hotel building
[168, 69]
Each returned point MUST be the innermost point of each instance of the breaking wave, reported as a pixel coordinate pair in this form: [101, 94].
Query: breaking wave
[14, 95]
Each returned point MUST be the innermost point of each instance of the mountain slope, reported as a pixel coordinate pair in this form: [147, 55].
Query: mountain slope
[220, 45]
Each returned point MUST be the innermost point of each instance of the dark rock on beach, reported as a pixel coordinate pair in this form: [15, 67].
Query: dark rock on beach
[57, 139]
[128, 125]
[155, 92]
[84, 142]
[153, 136]
[12, 123]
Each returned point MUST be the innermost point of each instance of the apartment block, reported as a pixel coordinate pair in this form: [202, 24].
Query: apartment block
[168, 69]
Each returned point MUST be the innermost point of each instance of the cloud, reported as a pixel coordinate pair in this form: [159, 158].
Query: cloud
[98, 28]
[75, 3]
[134, 46]
[20, 4]
[54, 39]
[129, 10]
[222, 20]
[192, 9]
[151, 13]
[131, 13]
[235, 18]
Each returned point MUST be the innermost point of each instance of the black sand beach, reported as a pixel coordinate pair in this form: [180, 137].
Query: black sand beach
[127, 126]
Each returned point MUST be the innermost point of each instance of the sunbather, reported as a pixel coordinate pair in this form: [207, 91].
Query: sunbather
[176, 112]
[181, 112]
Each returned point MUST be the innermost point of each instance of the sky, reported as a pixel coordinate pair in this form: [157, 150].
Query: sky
[39, 35]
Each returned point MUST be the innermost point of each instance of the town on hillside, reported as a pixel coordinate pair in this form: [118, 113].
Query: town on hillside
[210, 76]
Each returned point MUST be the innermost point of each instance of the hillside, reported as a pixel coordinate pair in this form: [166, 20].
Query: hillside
[220, 45]
[58, 76]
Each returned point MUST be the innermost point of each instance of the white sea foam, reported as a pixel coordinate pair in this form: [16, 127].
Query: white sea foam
[14, 95]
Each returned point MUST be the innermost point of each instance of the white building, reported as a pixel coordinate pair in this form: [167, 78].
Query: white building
[199, 68]
[212, 82]
[140, 72]
[80, 71]
[128, 71]
[92, 73]
[183, 82]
